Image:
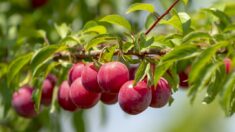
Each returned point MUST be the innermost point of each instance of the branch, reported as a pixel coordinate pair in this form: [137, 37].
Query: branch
[96, 54]
[162, 16]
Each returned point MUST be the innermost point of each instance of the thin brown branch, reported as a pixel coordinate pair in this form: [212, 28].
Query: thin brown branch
[96, 54]
[160, 17]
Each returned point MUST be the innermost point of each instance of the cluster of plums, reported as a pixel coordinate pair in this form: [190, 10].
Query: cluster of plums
[111, 83]
[87, 85]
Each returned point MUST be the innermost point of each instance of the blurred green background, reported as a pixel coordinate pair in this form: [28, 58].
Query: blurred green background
[24, 28]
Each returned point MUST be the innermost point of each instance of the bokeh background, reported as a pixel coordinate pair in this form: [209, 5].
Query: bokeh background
[18, 25]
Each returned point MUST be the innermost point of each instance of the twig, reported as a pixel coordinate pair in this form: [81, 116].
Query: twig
[160, 17]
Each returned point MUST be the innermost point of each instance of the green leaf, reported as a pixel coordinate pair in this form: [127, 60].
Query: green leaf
[215, 86]
[202, 80]
[150, 20]
[203, 59]
[179, 53]
[37, 94]
[78, 121]
[3, 69]
[161, 69]
[224, 18]
[44, 54]
[127, 46]
[118, 20]
[140, 73]
[62, 30]
[97, 29]
[228, 96]
[16, 65]
[181, 21]
[141, 6]
[108, 53]
[185, 2]
[104, 38]
[196, 35]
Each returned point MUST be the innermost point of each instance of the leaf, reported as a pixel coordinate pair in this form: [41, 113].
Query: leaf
[195, 35]
[185, 2]
[203, 59]
[118, 20]
[204, 77]
[3, 69]
[16, 65]
[62, 30]
[98, 40]
[44, 54]
[108, 53]
[228, 96]
[78, 121]
[150, 20]
[140, 72]
[37, 94]
[97, 29]
[224, 18]
[161, 69]
[181, 21]
[141, 6]
[215, 86]
[127, 46]
[179, 53]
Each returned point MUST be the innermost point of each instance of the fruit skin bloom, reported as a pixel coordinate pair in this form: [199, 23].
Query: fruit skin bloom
[23, 103]
[161, 94]
[112, 76]
[63, 97]
[134, 99]
[109, 98]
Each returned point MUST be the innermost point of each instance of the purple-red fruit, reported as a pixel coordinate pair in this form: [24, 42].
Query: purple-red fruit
[109, 98]
[134, 99]
[23, 103]
[183, 79]
[228, 65]
[75, 72]
[47, 92]
[81, 97]
[112, 76]
[64, 99]
[89, 78]
[52, 78]
[161, 94]
[38, 3]
[132, 71]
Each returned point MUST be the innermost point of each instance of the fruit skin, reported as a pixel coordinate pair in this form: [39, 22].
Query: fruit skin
[64, 99]
[47, 92]
[23, 103]
[183, 79]
[75, 72]
[112, 76]
[81, 97]
[38, 3]
[89, 78]
[161, 94]
[228, 65]
[52, 78]
[132, 71]
[109, 98]
[134, 99]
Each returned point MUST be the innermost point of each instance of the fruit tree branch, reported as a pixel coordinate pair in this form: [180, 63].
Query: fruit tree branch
[162, 16]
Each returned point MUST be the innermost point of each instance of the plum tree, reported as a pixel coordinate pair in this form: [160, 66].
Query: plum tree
[134, 99]
[89, 78]
[81, 97]
[64, 99]
[112, 76]
[160, 94]
[23, 103]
